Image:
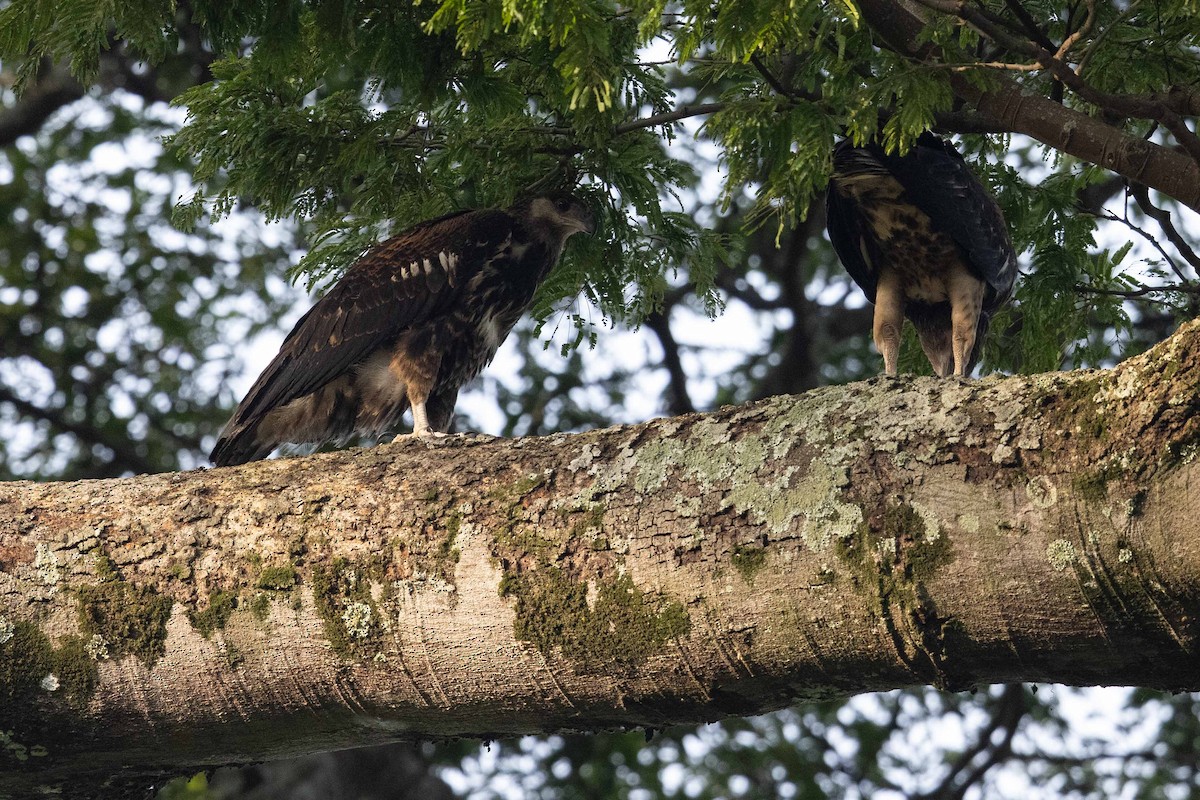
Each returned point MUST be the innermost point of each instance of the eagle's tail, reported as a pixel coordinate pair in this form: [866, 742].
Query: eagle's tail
[239, 444]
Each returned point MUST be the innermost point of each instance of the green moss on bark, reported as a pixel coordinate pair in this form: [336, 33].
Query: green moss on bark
[891, 564]
[278, 578]
[216, 615]
[748, 560]
[132, 619]
[342, 595]
[622, 626]
[29, 663]
[260, 606]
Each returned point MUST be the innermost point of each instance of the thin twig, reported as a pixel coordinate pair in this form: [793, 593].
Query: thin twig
[771, 80]
[1194, 291]
[993, 65]
[1153, 240]
[1031, 26]
[1163, 217]
[1084, 30]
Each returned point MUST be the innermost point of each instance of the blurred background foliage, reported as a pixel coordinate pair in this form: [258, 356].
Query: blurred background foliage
[142, 278]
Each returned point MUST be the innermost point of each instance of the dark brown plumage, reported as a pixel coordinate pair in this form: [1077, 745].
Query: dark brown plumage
[408, 324]
[924, 240]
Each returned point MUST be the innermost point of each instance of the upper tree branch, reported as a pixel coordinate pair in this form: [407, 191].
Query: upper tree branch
[1144, 107]
[1009, 105]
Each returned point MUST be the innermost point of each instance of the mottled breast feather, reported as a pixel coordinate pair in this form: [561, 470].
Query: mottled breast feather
[937, 181]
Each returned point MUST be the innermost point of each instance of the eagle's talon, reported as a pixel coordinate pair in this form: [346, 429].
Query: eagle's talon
[418, 435]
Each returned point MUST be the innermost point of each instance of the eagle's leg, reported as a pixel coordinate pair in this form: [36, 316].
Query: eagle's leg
[416, 372]
[889, 318]
[966, 303]
[420, 420]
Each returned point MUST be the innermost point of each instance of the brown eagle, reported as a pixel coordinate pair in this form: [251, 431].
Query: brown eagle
[923, 239]
[408, 324]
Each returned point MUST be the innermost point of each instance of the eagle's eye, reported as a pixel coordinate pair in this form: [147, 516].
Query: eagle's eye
[562, 204]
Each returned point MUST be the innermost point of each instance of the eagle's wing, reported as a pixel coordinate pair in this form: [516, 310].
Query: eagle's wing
[938, 181]
[400, 283]
[845, 223]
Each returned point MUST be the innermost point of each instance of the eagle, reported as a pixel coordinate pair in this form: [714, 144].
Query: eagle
[407, 325]
[923, 239]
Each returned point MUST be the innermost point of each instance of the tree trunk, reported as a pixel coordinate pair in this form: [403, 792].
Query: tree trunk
[889, 533]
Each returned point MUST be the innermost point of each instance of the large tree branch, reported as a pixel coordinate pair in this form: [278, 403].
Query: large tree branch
[1146, 107]
[888, 533]
[1015, 109]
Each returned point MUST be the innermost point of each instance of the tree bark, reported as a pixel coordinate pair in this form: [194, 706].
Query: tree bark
[888, 533]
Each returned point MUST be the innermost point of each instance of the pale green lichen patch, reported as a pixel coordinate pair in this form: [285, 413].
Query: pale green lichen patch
[1061, 554]
[1042, 492]
[618, 625]
[357, 619]
[828, 519]
[736, 467]
[969, 523]
[1125, 555]
[585, 458]
[46, 564]
[6, 629]
[96, 647]
[933, 525]
[132, 619]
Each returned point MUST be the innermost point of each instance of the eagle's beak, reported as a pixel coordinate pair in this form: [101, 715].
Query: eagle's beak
[588, 223]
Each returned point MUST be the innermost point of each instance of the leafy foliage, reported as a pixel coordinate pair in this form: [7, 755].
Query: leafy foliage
[357, 116]
[116, 328]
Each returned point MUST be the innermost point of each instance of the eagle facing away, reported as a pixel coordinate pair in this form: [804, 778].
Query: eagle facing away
[922, 238]
[410, 322]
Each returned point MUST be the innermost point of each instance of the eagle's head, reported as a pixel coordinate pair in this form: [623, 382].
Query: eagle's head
[558, 216]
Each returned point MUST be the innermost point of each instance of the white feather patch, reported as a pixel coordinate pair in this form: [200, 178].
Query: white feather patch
[492, 333]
